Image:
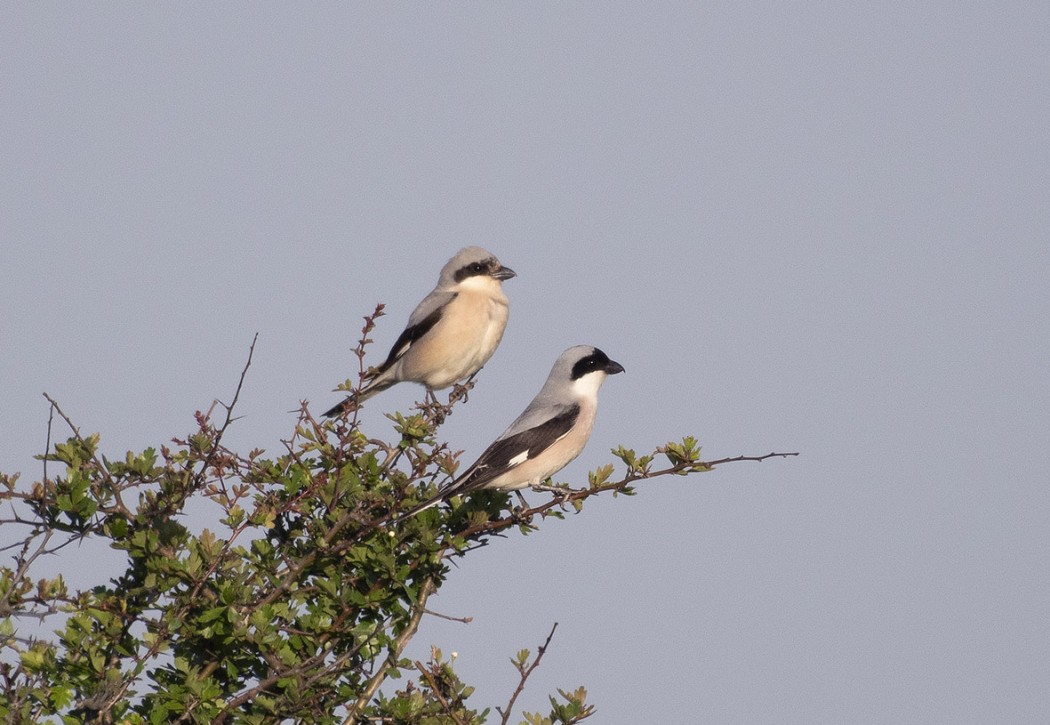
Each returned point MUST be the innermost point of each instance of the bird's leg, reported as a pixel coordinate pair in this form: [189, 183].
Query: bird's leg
[517, 513]
[521, 514]
[460, 390]
[433, 408]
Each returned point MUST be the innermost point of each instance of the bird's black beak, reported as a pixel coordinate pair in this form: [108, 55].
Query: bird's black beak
[504, 273]
[613, 367]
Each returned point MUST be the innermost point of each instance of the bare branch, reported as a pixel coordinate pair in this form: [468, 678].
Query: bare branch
[236, 394]
[439, 615]
[76, 432]
[47, 441]
[758, 459]
[525, 673]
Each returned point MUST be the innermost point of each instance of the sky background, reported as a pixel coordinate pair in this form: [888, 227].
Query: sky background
[806, 227]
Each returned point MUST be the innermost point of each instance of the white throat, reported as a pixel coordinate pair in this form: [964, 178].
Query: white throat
[587, 386]
[479, 283]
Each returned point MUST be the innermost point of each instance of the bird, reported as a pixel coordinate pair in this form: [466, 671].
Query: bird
[548, 435]
[451, 334]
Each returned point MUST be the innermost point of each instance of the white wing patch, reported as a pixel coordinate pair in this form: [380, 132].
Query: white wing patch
[518, 459]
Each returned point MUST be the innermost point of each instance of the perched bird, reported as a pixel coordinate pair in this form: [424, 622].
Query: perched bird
[452, 333]
[548, 435]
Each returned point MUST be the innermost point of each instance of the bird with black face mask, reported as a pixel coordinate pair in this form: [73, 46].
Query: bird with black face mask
[451, 334]
[547, 436]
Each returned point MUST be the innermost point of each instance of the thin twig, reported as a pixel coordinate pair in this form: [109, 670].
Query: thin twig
[47, 441]
[362, 344]
[525, 672]
[350, 406]
[758, 459]
[236, 395]
[439, 615]
[76, 431]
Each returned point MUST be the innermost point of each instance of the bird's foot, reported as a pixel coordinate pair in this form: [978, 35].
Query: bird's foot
[433, 409]
[461, 391]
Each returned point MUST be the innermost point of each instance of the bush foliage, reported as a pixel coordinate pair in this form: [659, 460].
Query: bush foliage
[295, 602]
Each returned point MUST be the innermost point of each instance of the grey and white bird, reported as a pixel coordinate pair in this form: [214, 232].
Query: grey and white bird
[547, 436]
[452, 333]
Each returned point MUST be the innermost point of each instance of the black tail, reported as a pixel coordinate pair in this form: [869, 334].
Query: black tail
[352, 402]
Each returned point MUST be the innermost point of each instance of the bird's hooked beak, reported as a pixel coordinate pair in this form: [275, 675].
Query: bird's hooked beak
[504, 273]
[613, 367]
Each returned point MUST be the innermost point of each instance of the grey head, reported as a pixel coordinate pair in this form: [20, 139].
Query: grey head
[577, 363]
[473, 262]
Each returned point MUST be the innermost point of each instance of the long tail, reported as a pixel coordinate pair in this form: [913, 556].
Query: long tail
[352, 402]
[455, 488]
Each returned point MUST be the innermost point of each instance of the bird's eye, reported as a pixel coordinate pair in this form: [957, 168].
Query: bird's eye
[477, 267]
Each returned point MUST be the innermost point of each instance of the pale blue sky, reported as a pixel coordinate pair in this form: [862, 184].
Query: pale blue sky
[799, 226]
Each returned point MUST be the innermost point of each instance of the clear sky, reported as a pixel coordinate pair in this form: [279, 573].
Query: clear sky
[799, 226]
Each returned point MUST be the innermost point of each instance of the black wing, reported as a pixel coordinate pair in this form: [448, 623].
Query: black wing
[409, 336]
[496, 459]
[404, 341]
